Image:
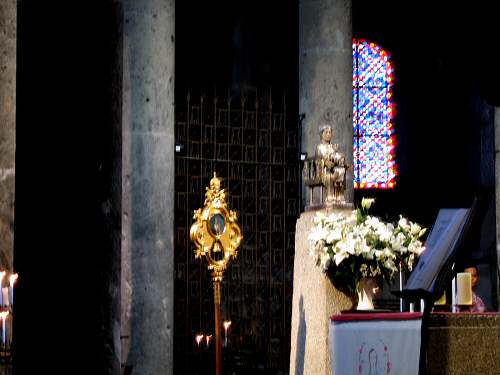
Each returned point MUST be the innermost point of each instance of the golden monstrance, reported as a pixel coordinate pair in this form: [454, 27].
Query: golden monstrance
[217, 235]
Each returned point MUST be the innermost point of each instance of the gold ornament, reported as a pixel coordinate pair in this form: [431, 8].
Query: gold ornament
[217, 236]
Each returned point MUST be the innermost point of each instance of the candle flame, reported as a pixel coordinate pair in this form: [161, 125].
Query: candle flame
[13, 278]
[198, 339]
[227, 323]
[208, 337]
[3, 315]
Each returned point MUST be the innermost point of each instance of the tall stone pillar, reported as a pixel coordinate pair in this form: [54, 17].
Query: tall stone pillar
[325, 91]
[148, 186]
[8, 26]
[325, 69]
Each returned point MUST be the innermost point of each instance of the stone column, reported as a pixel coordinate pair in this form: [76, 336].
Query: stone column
[315, 300]
[8, 26]
[325, 69]
[148, 186]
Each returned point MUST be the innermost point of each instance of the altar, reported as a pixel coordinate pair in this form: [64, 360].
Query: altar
[463, 343]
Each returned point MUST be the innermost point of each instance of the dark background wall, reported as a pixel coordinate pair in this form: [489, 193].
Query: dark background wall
[243, 45]
[444, 92]
[445, 81]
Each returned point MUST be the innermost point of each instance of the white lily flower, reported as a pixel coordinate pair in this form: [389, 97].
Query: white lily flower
[334, 235]
[401, 237]
[413, 247]
[340, 257]
[390, 265]
[395, 244]
[419, 249]
[415, 229]
[370, 254]
[349, 247]
[389, 253]
[384, 234]
[367, 202]
[336, 239]
[332, 218]
[318, 234]
[403, 223]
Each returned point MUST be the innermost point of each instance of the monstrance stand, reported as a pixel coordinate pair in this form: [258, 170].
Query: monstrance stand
[217, 235]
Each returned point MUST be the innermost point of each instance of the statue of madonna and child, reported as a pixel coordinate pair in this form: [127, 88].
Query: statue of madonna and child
[331, 166]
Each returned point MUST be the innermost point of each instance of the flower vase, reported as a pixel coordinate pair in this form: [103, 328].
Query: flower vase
[366, 289]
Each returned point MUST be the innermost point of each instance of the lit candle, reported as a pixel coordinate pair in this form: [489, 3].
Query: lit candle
[12, 280]
[3, 317]
[227, 323]
[2, 274]
[454, 295]
[198, 339]
[208, 337]
[464, 288]
[5, 296]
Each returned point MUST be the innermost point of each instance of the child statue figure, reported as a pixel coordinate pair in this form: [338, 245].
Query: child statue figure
[332, 167]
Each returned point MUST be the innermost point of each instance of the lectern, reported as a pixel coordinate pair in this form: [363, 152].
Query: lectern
[436, 267]
[443, 249]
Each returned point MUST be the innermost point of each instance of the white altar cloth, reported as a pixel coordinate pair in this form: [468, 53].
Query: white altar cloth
[375, 343]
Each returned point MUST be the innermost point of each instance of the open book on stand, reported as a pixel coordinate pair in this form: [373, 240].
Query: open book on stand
[434, 268]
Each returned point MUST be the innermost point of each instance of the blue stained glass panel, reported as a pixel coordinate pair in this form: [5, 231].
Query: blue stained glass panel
[373, 111]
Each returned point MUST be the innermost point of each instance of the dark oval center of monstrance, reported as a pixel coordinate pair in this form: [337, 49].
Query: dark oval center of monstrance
[217, 226]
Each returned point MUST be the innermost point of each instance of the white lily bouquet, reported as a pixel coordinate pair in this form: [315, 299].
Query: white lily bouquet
[359, 246]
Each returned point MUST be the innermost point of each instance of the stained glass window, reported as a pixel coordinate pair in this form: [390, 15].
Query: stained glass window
[373, 110]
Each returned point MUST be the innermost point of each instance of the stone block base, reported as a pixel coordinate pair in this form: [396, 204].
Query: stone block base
[463, 344]
[315, 300]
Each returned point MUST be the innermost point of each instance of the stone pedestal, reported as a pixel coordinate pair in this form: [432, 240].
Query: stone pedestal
[315, 299]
